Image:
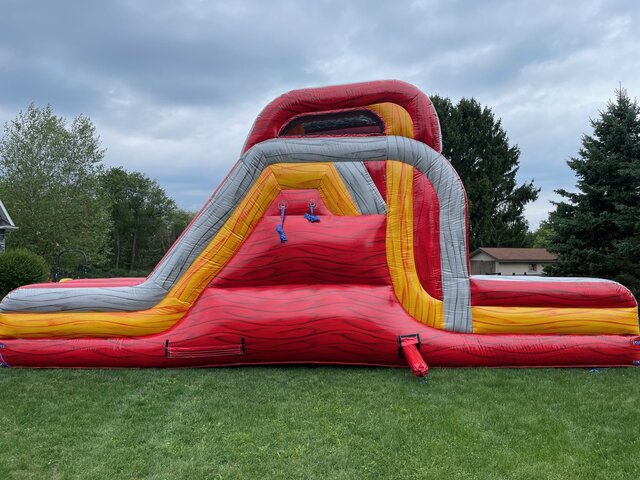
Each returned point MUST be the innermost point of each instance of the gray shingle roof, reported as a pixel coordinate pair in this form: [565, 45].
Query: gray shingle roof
[517, 254]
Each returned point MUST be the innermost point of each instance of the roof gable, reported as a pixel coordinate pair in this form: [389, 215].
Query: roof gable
[5, 220]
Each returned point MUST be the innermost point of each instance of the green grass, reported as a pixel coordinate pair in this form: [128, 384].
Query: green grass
[324, 423]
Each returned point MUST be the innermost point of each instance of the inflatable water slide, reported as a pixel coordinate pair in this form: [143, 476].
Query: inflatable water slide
[339, 237]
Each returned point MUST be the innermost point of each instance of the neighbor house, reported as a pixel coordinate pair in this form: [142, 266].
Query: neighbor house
[6, 225]
[510, 261]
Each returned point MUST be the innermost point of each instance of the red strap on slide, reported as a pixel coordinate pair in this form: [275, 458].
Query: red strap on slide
[410, 350]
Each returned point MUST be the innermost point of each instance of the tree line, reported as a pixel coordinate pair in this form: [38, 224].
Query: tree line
[60, 194]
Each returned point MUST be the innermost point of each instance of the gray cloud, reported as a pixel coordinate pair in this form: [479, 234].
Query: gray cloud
[173, 87]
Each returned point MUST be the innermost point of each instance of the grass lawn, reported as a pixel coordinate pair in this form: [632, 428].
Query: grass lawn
[305, 422]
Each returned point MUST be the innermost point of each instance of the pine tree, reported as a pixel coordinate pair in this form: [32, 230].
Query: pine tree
[596, 232]
[478, 147]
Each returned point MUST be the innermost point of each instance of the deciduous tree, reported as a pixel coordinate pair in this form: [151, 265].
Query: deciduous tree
[49, 182]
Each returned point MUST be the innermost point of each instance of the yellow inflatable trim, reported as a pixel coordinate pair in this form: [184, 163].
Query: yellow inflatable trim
[585, 321]
[396, 119]
[400, 255]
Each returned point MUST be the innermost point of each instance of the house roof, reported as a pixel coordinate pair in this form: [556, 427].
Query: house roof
[5, 220]
[528, 255]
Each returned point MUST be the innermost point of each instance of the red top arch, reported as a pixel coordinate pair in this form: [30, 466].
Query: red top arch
[275, 115]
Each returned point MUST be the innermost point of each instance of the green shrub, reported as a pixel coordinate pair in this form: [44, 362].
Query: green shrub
[21, 267]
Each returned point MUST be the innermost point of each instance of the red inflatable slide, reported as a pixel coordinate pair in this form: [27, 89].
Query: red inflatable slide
[339, 237]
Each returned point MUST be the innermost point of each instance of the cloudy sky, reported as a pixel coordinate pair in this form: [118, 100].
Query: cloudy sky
[174, 86]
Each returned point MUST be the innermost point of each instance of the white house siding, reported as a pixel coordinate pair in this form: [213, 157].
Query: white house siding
[503, 268]
[512, 268]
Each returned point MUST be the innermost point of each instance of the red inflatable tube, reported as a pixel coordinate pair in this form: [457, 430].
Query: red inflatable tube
[581, 293]
[410, 348]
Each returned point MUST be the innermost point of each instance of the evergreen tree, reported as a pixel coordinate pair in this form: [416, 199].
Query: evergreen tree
[478, 147]
[596, 232]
